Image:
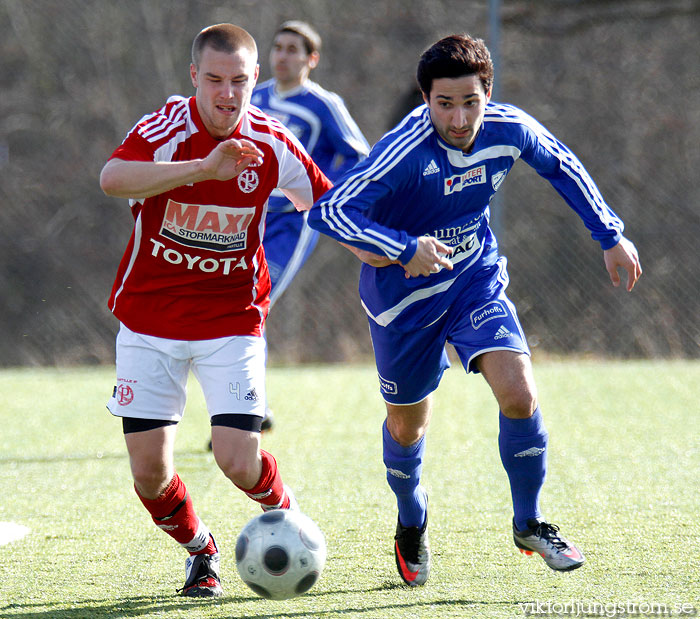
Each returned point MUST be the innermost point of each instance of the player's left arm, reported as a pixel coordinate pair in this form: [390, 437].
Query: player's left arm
[623, 256]
[557, 163]
[301, 180]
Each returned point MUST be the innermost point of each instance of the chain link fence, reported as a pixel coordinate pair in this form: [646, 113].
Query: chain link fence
[618, 82]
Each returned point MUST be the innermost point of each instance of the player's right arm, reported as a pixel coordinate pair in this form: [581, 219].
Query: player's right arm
[370, 258]
[142, 179]
[430, 257]
[342, 214]
[346, 221]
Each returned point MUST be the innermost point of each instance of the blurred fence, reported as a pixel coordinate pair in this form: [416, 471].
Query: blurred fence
[617, 81]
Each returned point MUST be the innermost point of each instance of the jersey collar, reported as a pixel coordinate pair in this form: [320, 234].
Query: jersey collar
[456, 156]
[196, 120]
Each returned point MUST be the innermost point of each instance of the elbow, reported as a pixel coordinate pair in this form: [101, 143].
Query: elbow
[108, 182]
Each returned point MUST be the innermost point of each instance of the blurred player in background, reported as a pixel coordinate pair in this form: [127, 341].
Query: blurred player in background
[322, 123]
[192, 290]
[417, 212]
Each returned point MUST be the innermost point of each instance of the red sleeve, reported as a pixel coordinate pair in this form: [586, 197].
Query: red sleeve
[153, 131]
[134, 148]
[320, 183]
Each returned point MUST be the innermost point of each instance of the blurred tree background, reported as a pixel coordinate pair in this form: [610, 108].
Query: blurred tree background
[619, 82]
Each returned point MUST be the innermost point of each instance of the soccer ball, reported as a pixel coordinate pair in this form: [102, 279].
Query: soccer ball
[280, 554]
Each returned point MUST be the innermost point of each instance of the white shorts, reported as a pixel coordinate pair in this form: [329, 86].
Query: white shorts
[152, 375]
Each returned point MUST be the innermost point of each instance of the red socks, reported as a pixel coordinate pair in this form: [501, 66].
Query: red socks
[173, 512]
[269, 491]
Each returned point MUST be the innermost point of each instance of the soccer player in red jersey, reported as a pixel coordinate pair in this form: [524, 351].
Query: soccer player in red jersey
[192, 289]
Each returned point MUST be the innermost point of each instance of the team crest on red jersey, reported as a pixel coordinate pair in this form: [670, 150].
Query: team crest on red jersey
[217, 228]
[248, 181]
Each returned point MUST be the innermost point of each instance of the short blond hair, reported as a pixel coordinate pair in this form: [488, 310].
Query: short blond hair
[222, 38]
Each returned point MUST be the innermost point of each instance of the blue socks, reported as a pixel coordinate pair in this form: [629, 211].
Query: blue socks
[522, 444]
[403, 469]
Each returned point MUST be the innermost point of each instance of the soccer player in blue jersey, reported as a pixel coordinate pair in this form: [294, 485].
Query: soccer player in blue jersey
[323, 125]
[416, 211]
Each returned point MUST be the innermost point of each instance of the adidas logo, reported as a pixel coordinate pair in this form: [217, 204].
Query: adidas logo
[252, 395]
[431, 169]
[530, 453]
[501, 333]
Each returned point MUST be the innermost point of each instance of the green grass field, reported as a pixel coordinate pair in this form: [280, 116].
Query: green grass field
[624, 466]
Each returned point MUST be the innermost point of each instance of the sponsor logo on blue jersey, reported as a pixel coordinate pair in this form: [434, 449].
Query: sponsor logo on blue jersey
[493, 309]
[461, 238]
[473, 176]
[388, 386]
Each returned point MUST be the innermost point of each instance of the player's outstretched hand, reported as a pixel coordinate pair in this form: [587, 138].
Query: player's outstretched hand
[430, 257]
[624, 256]
[230, 158]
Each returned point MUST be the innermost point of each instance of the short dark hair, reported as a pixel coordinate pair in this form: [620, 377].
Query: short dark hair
[311, 38]
[455, 56]
[222, 38]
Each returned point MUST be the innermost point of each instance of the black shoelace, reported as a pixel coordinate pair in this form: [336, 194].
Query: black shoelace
[550, 533]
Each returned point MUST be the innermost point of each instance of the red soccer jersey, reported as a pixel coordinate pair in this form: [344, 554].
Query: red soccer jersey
[195, 267]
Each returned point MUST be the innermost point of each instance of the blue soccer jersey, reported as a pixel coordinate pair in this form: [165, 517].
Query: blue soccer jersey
[413, 183]
[321, 122]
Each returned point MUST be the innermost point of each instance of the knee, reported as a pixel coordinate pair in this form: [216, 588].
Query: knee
[408, 424]
[405, 433]
[518, 402]
[151, 479]
[243, 472]
[237, 454]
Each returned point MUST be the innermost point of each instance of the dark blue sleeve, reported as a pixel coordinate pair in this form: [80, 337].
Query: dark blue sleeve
[553, 160]
[342, 212]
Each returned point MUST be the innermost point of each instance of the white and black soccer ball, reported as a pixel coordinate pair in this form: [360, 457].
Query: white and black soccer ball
[280, 554]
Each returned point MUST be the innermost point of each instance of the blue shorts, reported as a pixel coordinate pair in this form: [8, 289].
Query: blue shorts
[410, 365]
[288, 242]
